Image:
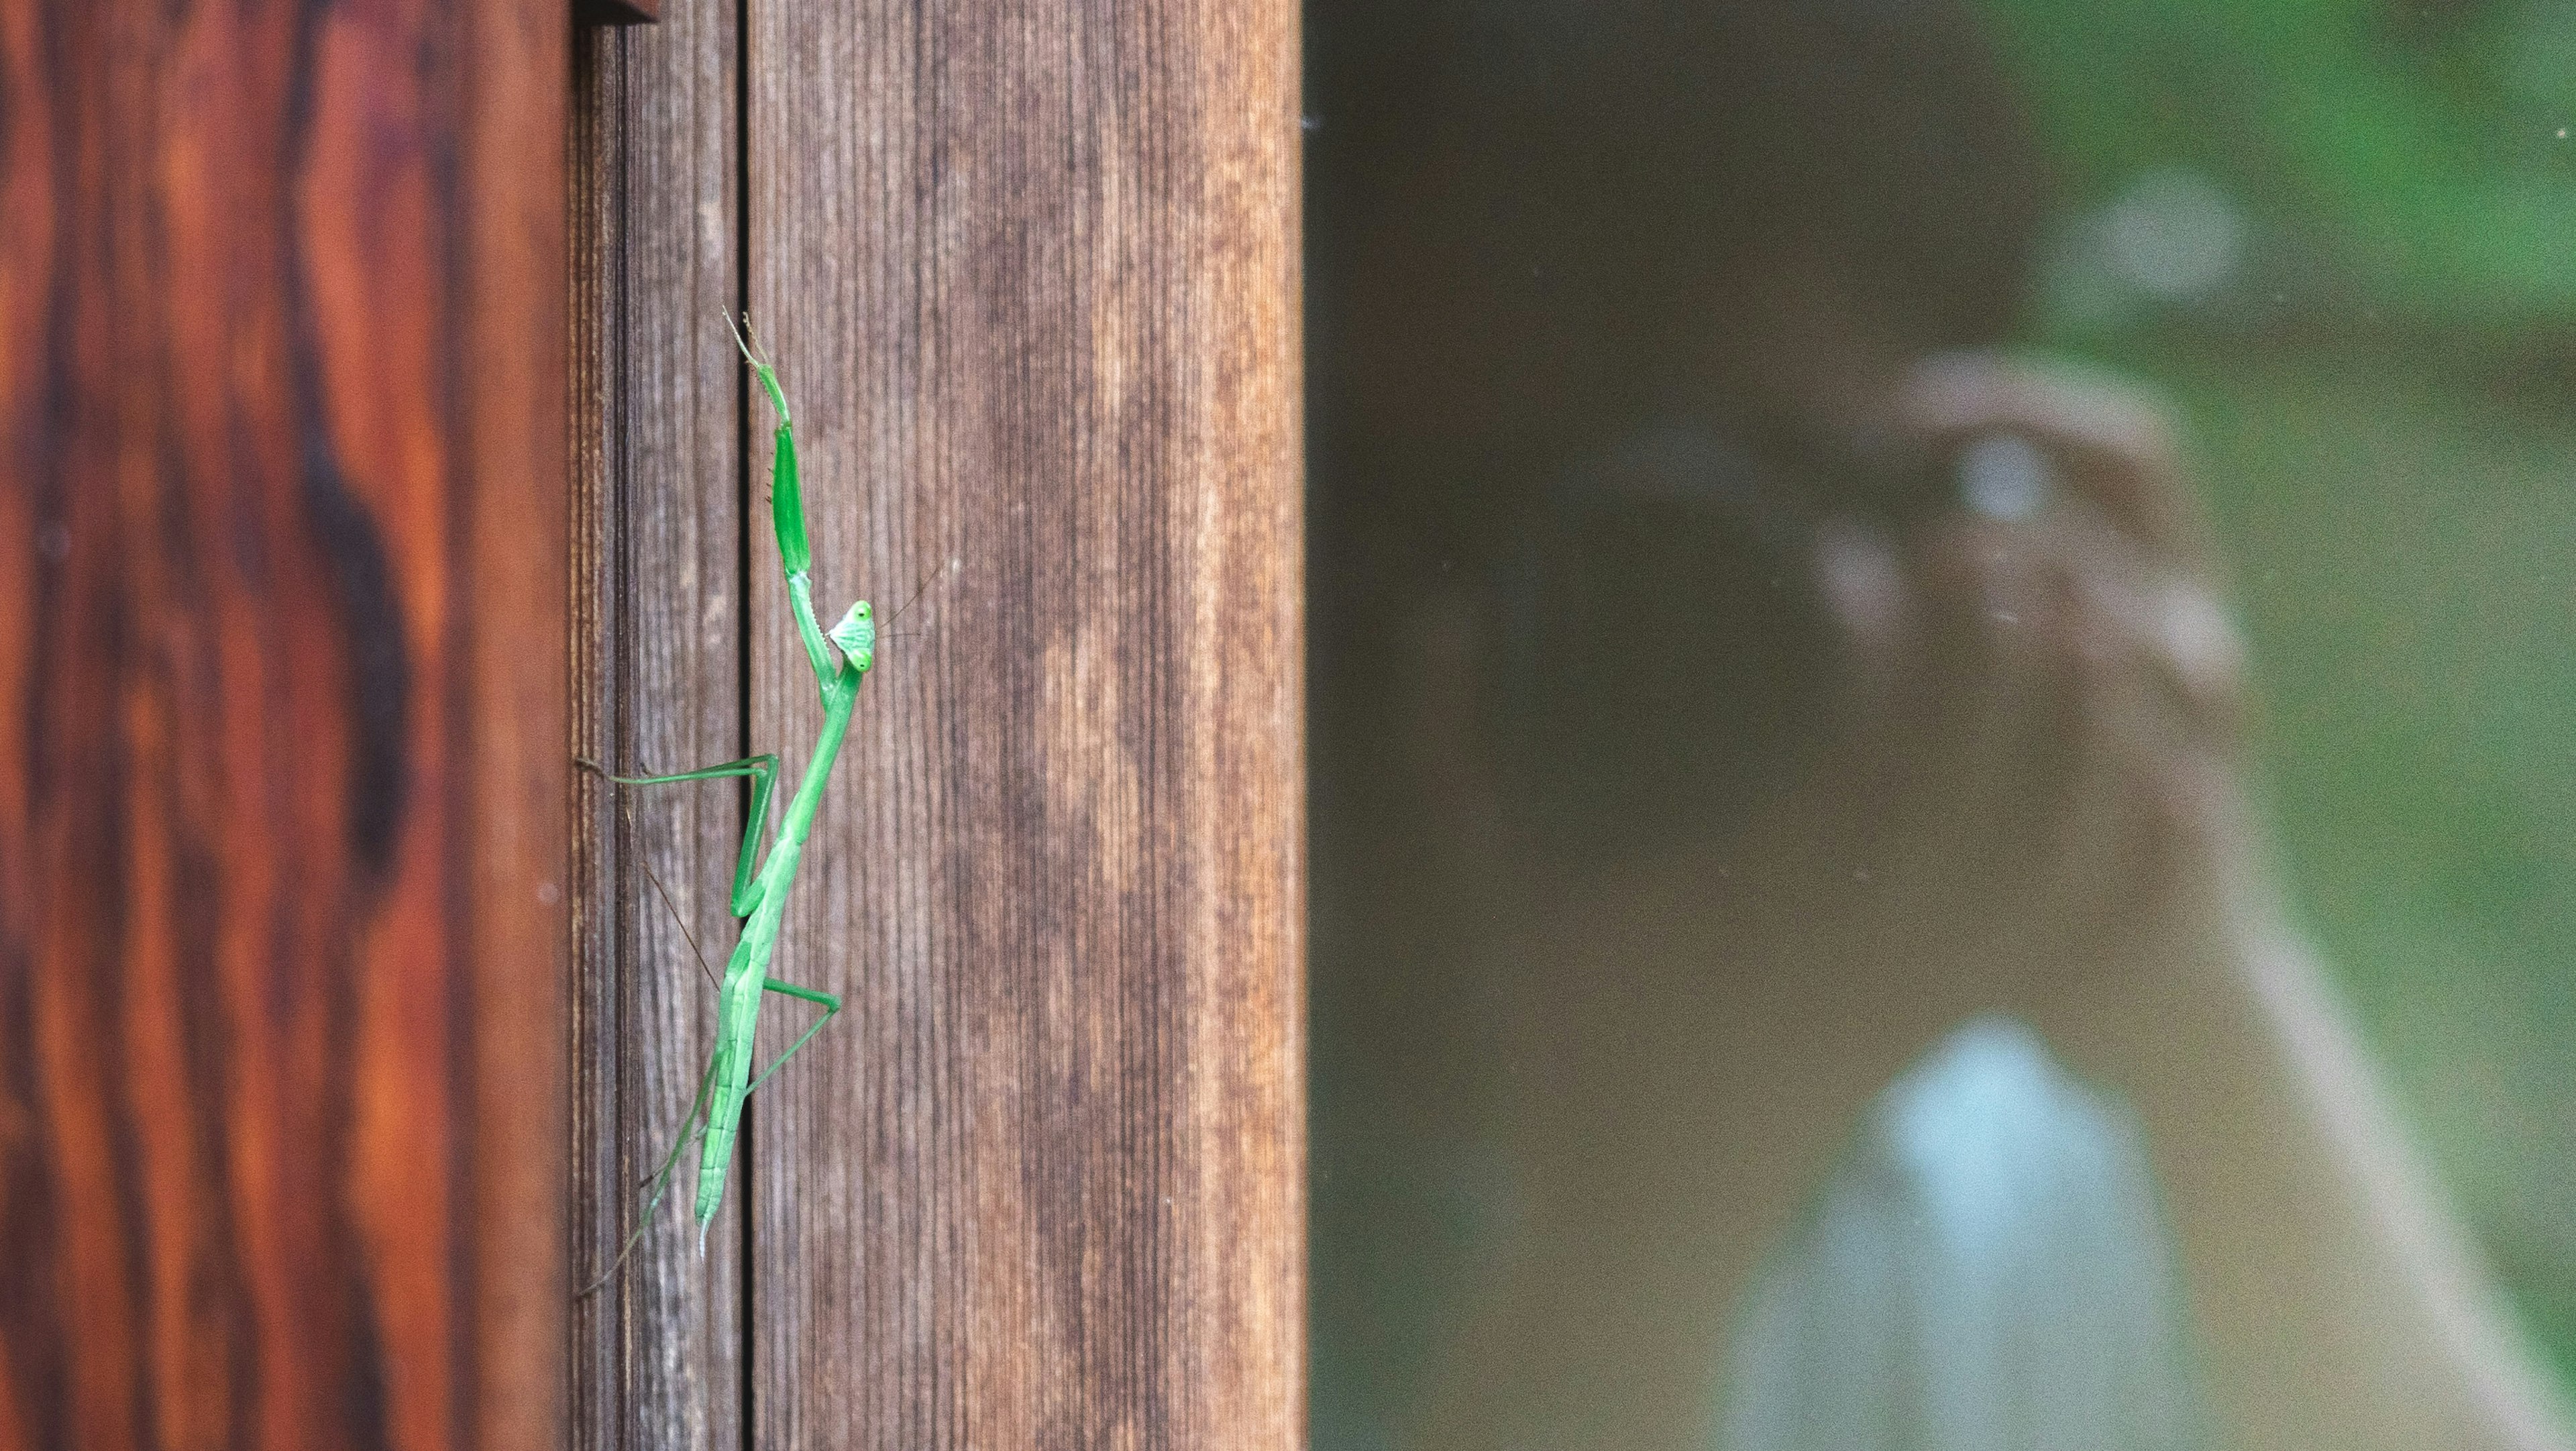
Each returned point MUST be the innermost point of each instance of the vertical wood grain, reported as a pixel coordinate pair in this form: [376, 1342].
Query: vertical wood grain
[1030, 270]
[658, 569]
[282, 469]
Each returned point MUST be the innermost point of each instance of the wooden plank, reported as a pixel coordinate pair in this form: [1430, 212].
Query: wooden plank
[658, 585]
[281, 863]
[1031, 271]
[616, 12]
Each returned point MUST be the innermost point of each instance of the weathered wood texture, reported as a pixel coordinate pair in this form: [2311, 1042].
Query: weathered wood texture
[1030, 269]
[658, 466]
[281, 857]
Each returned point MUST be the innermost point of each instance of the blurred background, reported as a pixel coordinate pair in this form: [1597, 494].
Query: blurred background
[2340, 239]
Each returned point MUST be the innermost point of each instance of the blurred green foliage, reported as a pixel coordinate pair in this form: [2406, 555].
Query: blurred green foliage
[2374, 354]
[2412, 164]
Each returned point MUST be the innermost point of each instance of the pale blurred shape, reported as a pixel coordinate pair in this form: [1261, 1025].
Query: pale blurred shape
[2004, 476]
[1987, 1270]
[2173, 234]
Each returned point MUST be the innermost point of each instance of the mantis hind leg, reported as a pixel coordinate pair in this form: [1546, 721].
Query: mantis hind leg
[763, 771]
[831, 1009]
[661, 1181]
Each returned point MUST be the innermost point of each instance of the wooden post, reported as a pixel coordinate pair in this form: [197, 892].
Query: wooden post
[659, 399]
[1030, 271]
[281, 666]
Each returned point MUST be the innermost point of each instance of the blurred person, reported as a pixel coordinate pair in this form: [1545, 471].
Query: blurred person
[1732, 674]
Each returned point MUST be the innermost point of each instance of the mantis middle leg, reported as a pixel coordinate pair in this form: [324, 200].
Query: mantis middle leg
[763, 771]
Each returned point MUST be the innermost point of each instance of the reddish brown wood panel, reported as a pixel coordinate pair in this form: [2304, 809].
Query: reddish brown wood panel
[281, 664]
[1030, 270]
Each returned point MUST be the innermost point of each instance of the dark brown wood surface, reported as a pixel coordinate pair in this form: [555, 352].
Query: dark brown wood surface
[658, 634]
[281, 857]
[616, 12]
[1030, 271]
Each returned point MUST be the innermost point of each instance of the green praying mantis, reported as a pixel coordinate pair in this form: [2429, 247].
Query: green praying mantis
[840, 657]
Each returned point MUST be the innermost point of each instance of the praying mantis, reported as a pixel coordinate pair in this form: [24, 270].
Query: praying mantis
[841, 657]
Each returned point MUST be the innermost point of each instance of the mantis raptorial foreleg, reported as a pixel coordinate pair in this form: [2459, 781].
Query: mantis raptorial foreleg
[840, 657]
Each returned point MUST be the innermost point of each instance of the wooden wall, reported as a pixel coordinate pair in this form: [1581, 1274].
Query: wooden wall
[288, 1152]
[1030, 273]
[282, 591]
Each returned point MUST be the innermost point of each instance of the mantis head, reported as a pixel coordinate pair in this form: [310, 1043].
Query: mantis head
[857, 635]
